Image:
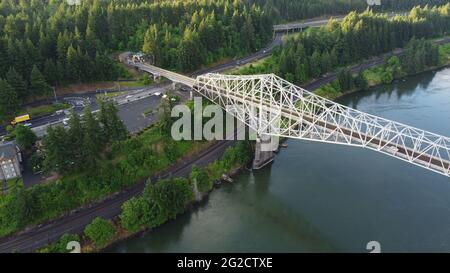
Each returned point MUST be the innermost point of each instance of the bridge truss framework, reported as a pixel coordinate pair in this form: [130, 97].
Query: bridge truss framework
[272, 106]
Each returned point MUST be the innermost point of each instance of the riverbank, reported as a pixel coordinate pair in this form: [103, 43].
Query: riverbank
[372, 85]
[122, 234]
[315, 194]
[229, 159]
[393, 68]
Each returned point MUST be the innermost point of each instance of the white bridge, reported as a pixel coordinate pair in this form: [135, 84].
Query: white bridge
[274, 107]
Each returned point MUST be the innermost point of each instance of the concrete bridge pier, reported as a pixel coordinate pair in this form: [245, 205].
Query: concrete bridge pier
[264, 151]
[157, 78]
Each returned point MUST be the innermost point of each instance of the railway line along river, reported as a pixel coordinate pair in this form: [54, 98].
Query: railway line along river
[327, 198]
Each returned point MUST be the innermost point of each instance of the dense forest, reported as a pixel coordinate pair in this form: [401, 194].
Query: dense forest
[70, 43]
[358, 36]
[418, 56]
[289, 10]
[52, 42]
[408, 4]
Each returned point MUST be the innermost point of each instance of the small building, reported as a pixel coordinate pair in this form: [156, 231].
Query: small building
[10, 161]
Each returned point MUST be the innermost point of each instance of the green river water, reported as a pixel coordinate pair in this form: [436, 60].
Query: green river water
[321, 197]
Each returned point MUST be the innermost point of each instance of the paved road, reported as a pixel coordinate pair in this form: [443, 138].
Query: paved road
[31, 239]
[40, 124]
[304, 24]
[75, 222]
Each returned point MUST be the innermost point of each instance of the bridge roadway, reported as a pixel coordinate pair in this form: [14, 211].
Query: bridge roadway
[39, 236]
[40, 125]
[174, 77]
[373, 142]
[305, 24]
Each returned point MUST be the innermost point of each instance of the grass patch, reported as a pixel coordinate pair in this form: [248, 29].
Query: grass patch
[44, 110]
[328, 91]
[263, 66]
[374, 75]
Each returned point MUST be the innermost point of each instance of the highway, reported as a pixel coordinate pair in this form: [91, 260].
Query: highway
[39, 124]
[131, 114]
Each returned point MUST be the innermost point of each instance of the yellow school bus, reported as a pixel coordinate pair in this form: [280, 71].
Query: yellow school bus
[20, 119]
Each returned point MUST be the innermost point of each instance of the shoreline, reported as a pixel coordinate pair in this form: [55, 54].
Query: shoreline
[122, 235]
[372, 86]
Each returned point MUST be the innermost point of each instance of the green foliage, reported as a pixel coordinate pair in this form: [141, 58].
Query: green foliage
[361, 82]
[240, 154]
[113, 129]
[50, 42]
[134, 214]
[345, 79]
[61, 245]
[9, 102]
[146, 79]
[358, 37]
[13, 207]
[444, 54]
[100, 231]
[164, 116]
[160, 202]
[328, 91]
[25, 137]
[17, 83]
[165, 199]
[199, 176]
[79, 147]
[37, 162]
[387, 77]
[129, 161]
[418, 55]
[394, 67]
[172, 195]
[43, 110]
[290, 10]
[38, 85]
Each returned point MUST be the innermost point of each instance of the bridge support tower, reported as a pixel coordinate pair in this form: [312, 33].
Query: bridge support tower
[264, 151]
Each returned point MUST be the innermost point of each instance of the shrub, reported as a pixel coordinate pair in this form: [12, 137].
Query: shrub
[100, 231]
[61, 245]
[201, 178]
[133, 214]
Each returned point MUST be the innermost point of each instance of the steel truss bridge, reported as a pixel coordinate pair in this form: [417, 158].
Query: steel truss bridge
[272, 106]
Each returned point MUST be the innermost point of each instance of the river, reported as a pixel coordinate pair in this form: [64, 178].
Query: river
[328, 198]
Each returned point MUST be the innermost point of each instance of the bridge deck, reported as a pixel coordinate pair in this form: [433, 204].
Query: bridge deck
[175, 77]
[401, 151]
[359, 138]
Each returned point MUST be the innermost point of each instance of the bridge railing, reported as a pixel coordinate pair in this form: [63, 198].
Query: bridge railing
[304, 115]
